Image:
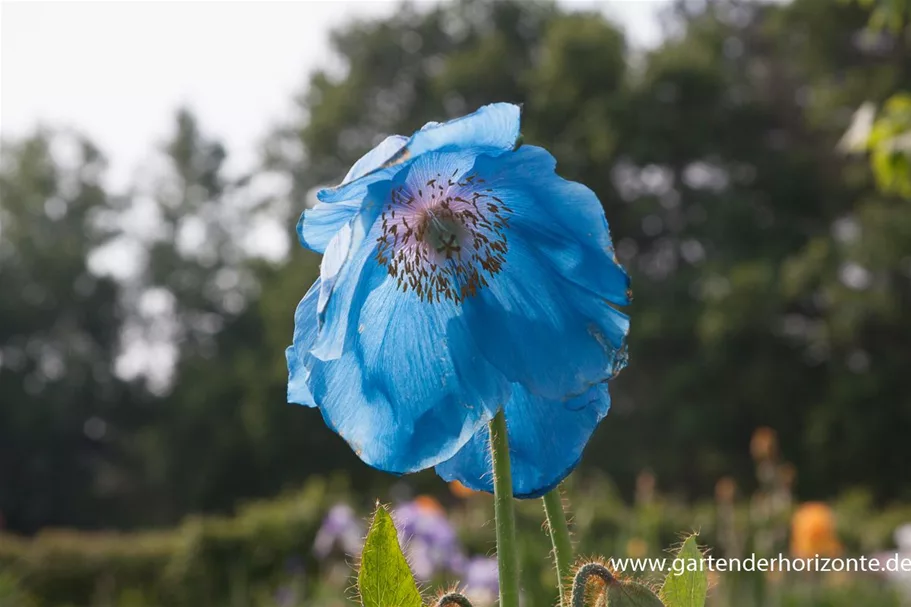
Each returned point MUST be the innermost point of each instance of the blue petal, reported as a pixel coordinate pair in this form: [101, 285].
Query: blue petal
[546, 439]
[563, 219]
[409, 388]
[543, 330]
[376, 157]
[399, 378]
[344, 261]
[554, 291]
[493, 129]
[353, 246]
[319, 224]
[297, 354]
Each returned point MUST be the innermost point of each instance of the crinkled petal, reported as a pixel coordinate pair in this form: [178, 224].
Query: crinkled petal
[409, 388]
[399, 378]
[544, 331]
[298, 352]
[351, 249]
[546, 440]
[346, 257]
[376, 157]
[545, 319]
[493, 129]
[319, 224]
[563, 219]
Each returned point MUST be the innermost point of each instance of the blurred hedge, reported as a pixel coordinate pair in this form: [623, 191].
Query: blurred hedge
[200, 562]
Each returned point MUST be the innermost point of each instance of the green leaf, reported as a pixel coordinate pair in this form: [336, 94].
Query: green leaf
[687, 583]
[631, 594]
[384, 579]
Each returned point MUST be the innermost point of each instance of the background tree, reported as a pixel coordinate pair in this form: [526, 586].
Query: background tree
[58, 336]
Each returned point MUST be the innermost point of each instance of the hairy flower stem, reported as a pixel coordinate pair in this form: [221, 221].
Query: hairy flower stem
[454, 598]
[585, 573]
[559, 535]
[507, 553]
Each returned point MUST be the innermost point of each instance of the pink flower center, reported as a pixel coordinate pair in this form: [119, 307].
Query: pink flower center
[443, 237]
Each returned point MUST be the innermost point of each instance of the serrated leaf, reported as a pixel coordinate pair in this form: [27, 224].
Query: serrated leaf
[689, 587]
[384, 579]
[631, 594]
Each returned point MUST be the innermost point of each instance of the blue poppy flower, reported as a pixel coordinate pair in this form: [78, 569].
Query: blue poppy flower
[460, 275]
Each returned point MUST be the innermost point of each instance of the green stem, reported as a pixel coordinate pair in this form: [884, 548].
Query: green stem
[507, 553]
[559, 536]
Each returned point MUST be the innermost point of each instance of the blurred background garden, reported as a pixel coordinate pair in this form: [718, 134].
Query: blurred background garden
[754, 162]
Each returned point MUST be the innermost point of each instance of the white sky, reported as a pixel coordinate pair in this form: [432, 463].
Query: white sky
[116, 71]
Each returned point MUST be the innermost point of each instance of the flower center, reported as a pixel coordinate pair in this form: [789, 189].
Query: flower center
[443, 237]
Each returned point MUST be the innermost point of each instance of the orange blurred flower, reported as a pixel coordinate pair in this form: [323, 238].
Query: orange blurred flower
[428, 504]
[764, 444]
[725, 490]
[813, 531]
[461, 491]
[636, 548]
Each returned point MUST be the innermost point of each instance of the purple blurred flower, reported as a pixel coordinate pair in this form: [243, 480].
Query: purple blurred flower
[428, 537]
[482, 580]
[341, 528]
[285, 597]
[458, 562]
